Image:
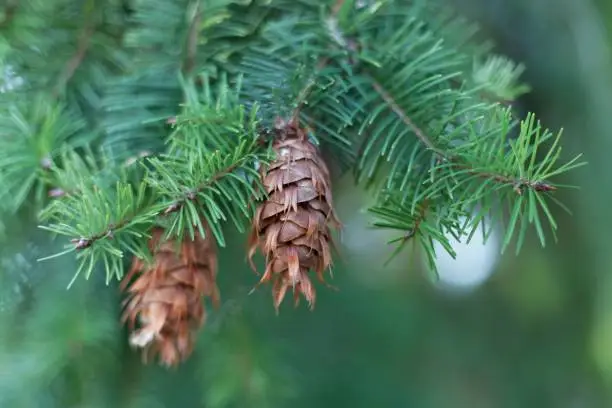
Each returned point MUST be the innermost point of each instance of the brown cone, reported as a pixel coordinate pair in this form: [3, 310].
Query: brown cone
[291, 228]
[165, 298]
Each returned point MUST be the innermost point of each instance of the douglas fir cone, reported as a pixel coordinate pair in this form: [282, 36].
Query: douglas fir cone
[291, 227]
[166, 298]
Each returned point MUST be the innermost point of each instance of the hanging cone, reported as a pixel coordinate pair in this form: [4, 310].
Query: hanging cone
[165, 299]
[291, 228]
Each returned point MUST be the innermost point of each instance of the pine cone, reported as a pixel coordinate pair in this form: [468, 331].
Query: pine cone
[166, 297]
[291, 227]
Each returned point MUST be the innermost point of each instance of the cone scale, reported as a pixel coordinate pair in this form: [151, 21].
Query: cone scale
[292, 227]
[164, 307]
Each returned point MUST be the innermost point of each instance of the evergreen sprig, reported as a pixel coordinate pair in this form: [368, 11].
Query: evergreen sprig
[421, 112]
[168, 39]
[400, 93]
[76, 49]
[33, 135]
[122, 115]
[483, 182]
[109, 217]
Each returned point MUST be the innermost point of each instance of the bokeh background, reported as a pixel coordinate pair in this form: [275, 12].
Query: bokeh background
[533, 330]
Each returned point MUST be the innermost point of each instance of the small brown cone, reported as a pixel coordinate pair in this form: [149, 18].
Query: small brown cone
[291, 228]
[165, 299]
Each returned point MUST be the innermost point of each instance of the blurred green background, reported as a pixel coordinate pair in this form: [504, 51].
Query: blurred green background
[517, 332]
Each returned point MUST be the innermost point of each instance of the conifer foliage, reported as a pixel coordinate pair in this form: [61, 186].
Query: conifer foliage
[156, 115]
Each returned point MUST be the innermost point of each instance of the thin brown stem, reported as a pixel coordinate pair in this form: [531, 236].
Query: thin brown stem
[77, 58]
[417, 222]
[322, 63]
[518, 183]
[191, 47]
[406, 119]
[305, 92]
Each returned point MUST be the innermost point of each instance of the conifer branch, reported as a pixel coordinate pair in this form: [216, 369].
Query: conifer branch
[304, 93]
[409, 102]
[487, 96]
[184, 189]
[77, 58]
[83, 243]
[389, 79]
[417, 221]
[191, 195]
[517, 183]
[429, 222]
[351, 46]
[134, 212]
[450, 174]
